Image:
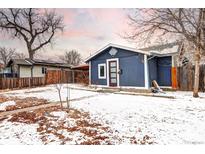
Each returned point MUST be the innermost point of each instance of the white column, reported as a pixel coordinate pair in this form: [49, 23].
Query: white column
[89, 72]
[146, 72]
[173, 63]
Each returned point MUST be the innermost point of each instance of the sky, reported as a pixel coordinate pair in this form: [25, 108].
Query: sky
[86, 30]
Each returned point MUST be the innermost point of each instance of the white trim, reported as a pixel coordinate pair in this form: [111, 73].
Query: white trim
[132, 87]
[118, 76]
[146, 72]
[89, 72]
[98, 85]
[102, 77]
[166, 87]
[173, 61]
[125, 87]
[116, 46]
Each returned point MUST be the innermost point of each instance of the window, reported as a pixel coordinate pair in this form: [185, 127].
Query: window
[101, 71]
[44, 70]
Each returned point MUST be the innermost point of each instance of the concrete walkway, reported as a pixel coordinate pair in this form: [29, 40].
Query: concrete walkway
[6, 113]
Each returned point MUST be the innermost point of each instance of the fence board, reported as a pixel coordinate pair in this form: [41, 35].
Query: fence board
[10, 83]
[185, 77]
[52, 77]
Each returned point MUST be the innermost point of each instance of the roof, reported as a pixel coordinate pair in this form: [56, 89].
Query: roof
[164, 49]
[157, 50]
[20, 62]
[81, 67]
[29, 62]
[115, 46]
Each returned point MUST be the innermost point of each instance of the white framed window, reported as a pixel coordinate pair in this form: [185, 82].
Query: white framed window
[101, 71]
[43, 70]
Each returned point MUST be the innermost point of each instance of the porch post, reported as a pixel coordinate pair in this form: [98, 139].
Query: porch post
[89, 72]
[146, 72]
[174, 72]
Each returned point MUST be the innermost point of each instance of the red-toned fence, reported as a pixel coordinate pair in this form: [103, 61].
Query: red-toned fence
[52, 77]
[185, 78]
[11, 83]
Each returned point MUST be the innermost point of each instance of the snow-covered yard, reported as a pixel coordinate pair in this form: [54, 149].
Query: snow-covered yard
[167, 121]
[50, 92]
[164, 120]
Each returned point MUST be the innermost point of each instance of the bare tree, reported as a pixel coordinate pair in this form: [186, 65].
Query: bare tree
[35, 27]
[6, 54]
[71, 57]
[181, 23]
[19, 55]
[59, 88]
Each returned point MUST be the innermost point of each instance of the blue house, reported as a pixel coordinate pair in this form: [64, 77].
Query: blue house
[120, 66]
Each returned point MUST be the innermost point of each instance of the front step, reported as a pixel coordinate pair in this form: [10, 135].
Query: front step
[135, 90]
[113, 89]
[108, 89]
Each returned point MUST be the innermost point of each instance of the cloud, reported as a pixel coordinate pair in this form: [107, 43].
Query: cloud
[87, 30]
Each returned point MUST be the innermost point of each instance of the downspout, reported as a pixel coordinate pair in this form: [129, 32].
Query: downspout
[89, 72]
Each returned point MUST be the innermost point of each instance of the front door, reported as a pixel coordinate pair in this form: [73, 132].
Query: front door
[113, 73]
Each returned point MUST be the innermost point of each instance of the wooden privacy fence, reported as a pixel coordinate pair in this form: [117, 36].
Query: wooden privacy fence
[58, 76]
[81, 77]
[52, 77]
[185, 77]
[72, 76]
[11, 83]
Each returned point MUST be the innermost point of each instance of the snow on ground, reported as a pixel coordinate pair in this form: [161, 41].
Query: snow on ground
[6, 104]
[19, 133]
[60, 114]
[45, 127]
[167, 121]
[50, 92]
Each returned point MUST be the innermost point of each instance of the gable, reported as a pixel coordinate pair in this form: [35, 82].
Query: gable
[112, 52]
[110, 48]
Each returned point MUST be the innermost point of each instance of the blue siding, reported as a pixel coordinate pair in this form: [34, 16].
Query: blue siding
[133, 71]
[130, 63]
[94, 73]
[152, 70]
[132, 67]
[160, 70]
[164, 71]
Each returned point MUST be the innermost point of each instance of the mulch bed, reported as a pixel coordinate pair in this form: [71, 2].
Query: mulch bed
[46, 125]
[22, 102]
[49, 125]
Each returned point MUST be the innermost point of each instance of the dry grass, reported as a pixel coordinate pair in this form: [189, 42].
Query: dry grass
[22, 102]
[62, 131]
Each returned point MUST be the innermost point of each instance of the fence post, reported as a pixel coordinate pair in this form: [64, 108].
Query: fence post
[73, 76]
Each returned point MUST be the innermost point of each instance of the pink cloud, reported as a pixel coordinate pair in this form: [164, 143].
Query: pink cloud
[105, 21]
[78, 33]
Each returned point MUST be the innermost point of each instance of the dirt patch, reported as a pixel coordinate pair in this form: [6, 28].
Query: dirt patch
[22, 102]
[71, 127]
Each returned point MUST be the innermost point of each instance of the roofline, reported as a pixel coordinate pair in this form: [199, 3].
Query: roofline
[115, 46]
[33, 63]
[83, 65]
[163, 55]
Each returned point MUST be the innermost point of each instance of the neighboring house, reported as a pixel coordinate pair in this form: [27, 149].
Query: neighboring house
[33, 68]
[82, 67]
[120, 66]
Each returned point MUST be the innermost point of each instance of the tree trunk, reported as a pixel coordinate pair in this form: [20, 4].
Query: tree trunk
[31, 55]
[59, 94]
[196, 74]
